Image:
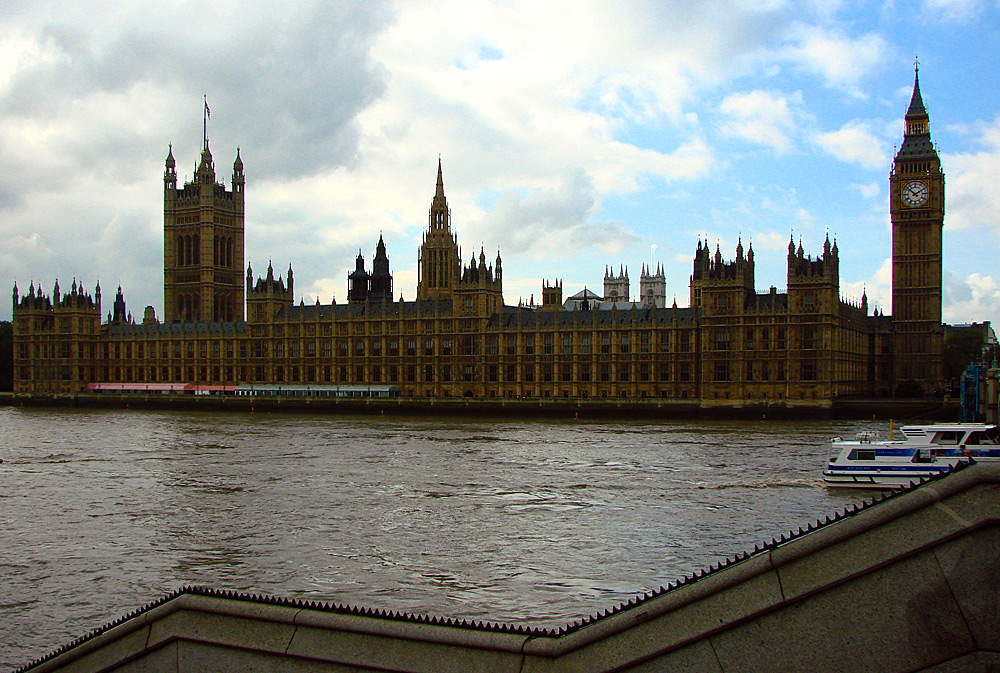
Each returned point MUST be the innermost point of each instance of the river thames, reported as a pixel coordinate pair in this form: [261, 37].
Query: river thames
[516, 521]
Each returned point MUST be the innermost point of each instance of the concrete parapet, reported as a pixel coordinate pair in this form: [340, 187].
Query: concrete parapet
[908, 583]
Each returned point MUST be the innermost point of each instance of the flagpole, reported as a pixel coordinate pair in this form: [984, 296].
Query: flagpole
[204, 123]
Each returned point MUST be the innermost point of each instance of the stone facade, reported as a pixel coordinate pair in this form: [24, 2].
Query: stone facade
[203, 243]
[731, 346]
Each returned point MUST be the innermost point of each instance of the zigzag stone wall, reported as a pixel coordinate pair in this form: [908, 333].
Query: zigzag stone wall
[909, 583]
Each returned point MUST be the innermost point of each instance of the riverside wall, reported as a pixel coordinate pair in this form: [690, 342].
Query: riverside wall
[612, 408]
[907, 583]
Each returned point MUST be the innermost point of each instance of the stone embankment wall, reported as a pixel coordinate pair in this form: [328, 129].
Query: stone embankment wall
[908, 583]
[612, 408]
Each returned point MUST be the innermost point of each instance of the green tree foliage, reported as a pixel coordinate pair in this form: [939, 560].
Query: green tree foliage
[909, 389]
[961, 349]
[6, 356]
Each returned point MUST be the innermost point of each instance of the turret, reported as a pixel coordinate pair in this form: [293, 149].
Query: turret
[205, 174]
[728, 283]
[616, 287]
[358, 281]
[170, 173]
[814, 284]
[120, 313]
[552, 295]
[268, 296]
[239, 180]
[653, 287]
[380, 287]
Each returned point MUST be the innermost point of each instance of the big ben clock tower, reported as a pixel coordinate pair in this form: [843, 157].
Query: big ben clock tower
[916, 204]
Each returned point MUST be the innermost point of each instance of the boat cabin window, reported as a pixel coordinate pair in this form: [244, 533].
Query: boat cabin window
[946, 437]
[862, 454]
[922, 456]
[978, 437]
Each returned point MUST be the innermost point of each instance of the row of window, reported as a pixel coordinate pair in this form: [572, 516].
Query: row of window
[763, 371]
[723, 371]
[358, 348]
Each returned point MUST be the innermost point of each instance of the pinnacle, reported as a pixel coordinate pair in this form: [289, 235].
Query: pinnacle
[439, 191]
[916, 108]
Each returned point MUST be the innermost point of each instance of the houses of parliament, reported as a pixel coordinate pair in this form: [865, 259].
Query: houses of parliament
[224, 325]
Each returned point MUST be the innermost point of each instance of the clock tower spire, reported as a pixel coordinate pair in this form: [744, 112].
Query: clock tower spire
[916, 205]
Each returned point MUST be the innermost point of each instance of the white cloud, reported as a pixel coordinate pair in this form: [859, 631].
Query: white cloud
[552, 222]
[762, 117]
[955, 10]
[973, 191]
[877, 288]
[869, 190]
[855, 143]
[843, 61]
[974, 298]
[771, 241]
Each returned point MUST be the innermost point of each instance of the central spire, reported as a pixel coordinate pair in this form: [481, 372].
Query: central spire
[439, 215]
[439, 191]
[439, 263]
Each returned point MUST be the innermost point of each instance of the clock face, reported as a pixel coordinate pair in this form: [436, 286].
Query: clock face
[914, 193]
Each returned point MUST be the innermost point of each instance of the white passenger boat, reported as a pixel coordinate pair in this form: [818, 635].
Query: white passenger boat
[924, 451]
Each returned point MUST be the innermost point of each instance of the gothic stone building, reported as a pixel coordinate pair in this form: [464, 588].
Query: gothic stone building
[731, 346]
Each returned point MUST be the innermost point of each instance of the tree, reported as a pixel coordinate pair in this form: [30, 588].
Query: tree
[909, 389]
[6, 355]
[961, 349]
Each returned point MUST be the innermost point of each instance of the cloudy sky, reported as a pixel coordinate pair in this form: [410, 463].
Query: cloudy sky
[574, 135]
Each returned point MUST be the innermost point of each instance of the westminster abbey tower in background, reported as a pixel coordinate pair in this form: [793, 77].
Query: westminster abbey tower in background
[224, 326]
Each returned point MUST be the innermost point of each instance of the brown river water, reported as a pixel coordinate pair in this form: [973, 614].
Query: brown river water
[533, 521]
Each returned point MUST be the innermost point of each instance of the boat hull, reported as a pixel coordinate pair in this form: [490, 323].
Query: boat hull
[873, 480]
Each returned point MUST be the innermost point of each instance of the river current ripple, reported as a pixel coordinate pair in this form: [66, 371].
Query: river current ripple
[537, 522]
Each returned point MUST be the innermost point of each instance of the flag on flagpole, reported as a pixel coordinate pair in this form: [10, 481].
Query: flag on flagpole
[204, 122]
